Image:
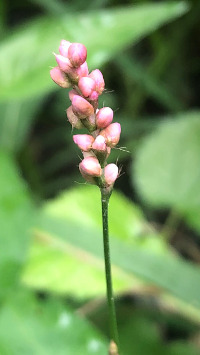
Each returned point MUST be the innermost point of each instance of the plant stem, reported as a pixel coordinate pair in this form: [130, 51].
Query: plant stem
[105, 196]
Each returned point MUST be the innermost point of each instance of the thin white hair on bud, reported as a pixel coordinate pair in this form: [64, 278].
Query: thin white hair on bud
[106, 91]
[120, 172]
[72, 128]
[80, 183]
[123, 149]
[80, 157]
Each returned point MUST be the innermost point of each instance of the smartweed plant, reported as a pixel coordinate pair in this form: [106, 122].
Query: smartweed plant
[102, 135]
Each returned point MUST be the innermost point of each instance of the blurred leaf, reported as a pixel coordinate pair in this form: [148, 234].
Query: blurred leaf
[191, 216]
[76, 231]
[54, 7]
[183, 348]
[15, 122]
[30, 327]
[16, 217]
[167, 168]
[141, 335]
[27, 53]
[82, 205]
[155, 88]
[57, 267]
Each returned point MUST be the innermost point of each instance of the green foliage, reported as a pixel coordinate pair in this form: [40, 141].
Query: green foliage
[28, 59]
[66, 267]
[16, 121]
[144, 338]
[64, 256]
[70, 221]
[31, 327]
[167, 168]
[16, 217]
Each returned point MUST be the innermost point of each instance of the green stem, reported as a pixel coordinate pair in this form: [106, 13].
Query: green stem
[110, 298]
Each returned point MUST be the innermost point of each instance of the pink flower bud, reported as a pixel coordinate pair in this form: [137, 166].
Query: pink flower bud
[81, 107]
[77, 73]
[86, 85]
[112, 134]
[72, 93]
[110, 174]
[104, 117]
[90, 166]
[83, 70]
[77, 53]
[64, 46]
[99, 144]
[59, 77]
[99, 80]
[94, 96]
[83, 141]
[73, 119]
[64, 63]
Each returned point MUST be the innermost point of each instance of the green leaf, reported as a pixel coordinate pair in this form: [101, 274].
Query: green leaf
[153, 87]
[167, 167]
[15, 122]
[16, 217]
[71, 228]
[191, 217]
[27, 58]
[63, 269]
[30, 327]
[141, 335]
[57, 267]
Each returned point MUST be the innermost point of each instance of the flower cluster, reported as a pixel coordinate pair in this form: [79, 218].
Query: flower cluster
[72, 71]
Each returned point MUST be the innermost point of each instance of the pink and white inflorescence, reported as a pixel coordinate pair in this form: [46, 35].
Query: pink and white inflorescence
[72, 71]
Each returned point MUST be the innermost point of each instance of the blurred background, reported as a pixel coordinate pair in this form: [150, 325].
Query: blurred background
[52, 287]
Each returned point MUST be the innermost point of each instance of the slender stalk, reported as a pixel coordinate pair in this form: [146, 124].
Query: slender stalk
[105, 196]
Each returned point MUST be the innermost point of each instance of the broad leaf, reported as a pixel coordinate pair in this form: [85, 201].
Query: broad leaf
[30, 327]
[27, 54]
[64, 268]
[167, 167]
[16, 217]
[191, 216]
[15, 122]
[84, 239]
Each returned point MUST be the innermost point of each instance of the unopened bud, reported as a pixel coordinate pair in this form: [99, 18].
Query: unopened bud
[72, 93]
[112, 134]
[94, 96]
[110, 174]
[77, 73]
[63, 48]
[77, 53]
[63, 63]
[82, 70]
[73, 119]
[104, 117]
[99, 144]
[97, 76]
[83, 141]
[81, 107]
[90, 166]
[86, 85]
[59, 77]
